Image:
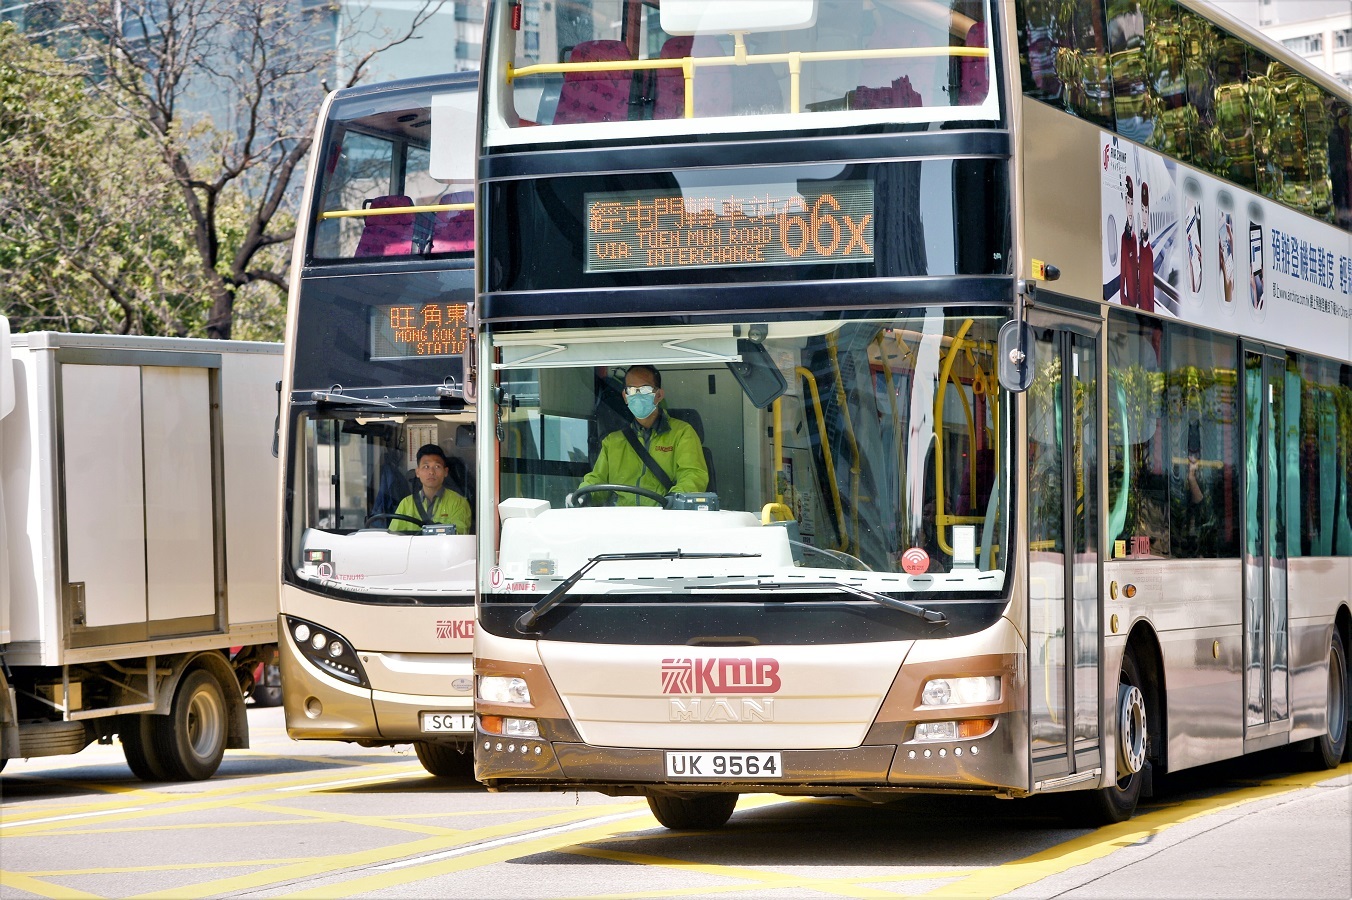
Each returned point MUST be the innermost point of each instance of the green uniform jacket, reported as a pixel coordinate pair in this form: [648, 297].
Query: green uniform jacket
[448, 509]
[672, 444]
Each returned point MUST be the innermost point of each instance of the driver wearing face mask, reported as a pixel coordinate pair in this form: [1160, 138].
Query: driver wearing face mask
[672, 444]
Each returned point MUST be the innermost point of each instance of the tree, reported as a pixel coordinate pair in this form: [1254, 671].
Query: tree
[226, 93]
[89, 234]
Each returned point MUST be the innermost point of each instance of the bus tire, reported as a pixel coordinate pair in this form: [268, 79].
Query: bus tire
[1331, 746]
[702, 811]
[138, 746]
[445, 760]
[190, 741]
[1117, 803]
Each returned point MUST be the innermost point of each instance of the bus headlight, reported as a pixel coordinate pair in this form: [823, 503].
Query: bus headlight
[327, 651]
[503, 689]
[953, 731]
[951, 691]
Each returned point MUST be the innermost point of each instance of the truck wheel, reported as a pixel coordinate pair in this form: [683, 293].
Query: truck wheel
[138, 746]
[190, 741]
[1118, 803]
[1329, 747]
[445, 760]
[699, 812]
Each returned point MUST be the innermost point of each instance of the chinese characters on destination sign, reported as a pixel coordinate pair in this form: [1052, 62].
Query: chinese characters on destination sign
[401, 331]
[645, 230]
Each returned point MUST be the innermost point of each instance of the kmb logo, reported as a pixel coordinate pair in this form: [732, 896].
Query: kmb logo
[720, 676]
[455, 628]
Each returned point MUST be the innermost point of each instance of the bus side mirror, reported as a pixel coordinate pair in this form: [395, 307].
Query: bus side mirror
[1015, 348]
[757, 373]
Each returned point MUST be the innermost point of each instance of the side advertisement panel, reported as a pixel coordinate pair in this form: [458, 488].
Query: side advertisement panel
[1181, 243]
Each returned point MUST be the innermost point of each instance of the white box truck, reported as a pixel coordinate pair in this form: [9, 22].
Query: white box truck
[138, 545]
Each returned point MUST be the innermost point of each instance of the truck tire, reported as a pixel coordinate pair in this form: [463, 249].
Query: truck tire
[138, 746]
[190, 741]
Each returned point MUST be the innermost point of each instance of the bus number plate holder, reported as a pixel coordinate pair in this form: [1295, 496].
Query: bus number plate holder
[722, 765]
[444, 722]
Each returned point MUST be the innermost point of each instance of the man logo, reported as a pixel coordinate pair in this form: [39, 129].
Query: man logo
[720, 676]
[722, 709]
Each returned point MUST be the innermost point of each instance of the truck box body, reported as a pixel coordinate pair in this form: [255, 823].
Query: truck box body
[137, 511]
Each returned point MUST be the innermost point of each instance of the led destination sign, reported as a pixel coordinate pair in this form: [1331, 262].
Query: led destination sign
[762, 226]
[401, 331]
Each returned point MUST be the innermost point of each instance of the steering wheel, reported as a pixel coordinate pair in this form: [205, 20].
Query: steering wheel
[574, 500]
[400, 516]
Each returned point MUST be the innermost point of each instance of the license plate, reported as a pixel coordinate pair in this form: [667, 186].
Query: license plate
[443, 722]
[720, 765]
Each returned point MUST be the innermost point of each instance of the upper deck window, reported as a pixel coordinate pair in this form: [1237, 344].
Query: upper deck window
[384, 189]
[601, 69]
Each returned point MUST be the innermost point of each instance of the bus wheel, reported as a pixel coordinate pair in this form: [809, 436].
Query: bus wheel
[1331, 745]
[138, 746]
[698, 812]
[190, 741]
[1118, 802]
[445, 760]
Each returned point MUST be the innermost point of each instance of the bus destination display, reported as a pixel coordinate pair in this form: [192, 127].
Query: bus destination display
[630, 231]
[414, 330]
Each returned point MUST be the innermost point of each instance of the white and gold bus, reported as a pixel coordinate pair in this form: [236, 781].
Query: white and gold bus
[377, 592]
[1015, 337]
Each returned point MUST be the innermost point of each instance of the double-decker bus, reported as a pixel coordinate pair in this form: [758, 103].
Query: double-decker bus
[376, 620]
[1015, 338]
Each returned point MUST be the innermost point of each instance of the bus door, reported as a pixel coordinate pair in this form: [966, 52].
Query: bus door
[1267, 707]
[1063, 551]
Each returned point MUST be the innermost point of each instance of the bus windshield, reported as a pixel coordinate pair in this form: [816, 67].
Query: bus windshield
[692, 67]
[860, 451]
[372, 512]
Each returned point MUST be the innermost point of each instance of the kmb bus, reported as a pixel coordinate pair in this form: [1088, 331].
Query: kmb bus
[1014, 341]
[377, 593]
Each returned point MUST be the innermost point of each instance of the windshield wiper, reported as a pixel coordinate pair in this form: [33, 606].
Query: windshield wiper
[933, 616]
[526, 624]
[399, 405]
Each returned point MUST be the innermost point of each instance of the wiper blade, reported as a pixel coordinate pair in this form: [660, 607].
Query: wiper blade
[402, 406]
[335, 398]
[933, 616]
[526, 624]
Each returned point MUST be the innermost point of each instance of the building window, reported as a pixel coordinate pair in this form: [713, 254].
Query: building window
[1310, 43]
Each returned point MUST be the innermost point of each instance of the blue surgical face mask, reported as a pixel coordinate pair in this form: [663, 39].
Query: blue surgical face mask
[642, 405]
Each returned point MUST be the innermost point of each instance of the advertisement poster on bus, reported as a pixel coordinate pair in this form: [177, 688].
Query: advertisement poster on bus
[1179, 243]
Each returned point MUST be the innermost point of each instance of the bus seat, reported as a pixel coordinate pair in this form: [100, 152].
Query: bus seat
[387, 235]
[713, 86]
[692, 418]
[595, 96]
[975, 82]
[453, 231]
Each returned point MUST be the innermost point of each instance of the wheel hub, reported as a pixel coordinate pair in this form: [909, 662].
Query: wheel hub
[1131, 729]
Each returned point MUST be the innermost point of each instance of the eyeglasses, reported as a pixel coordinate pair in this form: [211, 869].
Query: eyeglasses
[637, 389]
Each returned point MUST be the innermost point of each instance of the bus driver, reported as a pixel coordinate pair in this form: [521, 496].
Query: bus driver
[434, 503]
[670, 443]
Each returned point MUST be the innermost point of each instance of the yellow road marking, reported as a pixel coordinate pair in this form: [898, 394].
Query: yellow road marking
[41, 888]
[167, 867]
[999, 880]
[325, 865]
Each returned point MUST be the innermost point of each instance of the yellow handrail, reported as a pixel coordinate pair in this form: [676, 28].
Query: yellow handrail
[768, 513]
[826, 450]
[395, 210]
[852, 545]
[794, 59]
[939, 515]
[777, 446]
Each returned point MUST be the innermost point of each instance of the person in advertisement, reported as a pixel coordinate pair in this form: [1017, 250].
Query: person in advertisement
[434, 503]
[1145, 257]
[669, 444]
[1129, 259]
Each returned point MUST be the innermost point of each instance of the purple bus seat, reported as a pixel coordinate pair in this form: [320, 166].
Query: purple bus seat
[713, 86]
[595, 96]
[453, 230]
[390, 235]
[975, 81]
